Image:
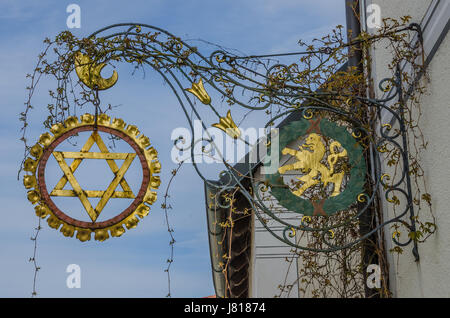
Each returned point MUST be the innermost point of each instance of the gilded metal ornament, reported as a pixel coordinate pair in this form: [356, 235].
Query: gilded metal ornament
[228, 126]
[316, 164]
[45, 207]
[89, 73]
[199, 91]
[309, 157]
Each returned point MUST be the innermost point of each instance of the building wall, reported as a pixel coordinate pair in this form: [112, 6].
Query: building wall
[430, 277]
[274, 263]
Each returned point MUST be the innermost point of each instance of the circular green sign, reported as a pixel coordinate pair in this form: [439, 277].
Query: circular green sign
[310, 161]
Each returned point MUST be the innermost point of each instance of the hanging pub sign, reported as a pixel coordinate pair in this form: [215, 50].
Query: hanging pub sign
[325, 169]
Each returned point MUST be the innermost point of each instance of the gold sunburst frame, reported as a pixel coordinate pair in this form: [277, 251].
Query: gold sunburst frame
[39, 196]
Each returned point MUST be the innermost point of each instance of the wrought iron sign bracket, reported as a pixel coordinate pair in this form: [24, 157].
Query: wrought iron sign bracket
[333, 142]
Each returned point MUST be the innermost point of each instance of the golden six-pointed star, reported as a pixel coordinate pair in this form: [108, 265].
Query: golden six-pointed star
[83, 195]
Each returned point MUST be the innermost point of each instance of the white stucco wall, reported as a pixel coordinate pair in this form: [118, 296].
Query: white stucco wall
[430, 277]
[274, 263]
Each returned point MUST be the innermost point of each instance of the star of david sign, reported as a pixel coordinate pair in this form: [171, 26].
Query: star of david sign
[68, 186]
[83, 195]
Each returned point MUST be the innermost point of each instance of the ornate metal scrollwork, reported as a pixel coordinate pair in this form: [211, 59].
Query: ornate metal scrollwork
[192, 76]
[379, 181]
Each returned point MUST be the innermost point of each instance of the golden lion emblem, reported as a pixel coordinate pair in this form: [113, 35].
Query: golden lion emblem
[309, 157]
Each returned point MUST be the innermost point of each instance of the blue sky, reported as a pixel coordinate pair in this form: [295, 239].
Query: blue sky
[133, 265]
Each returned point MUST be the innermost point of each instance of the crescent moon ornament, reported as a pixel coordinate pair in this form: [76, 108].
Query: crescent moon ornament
[89, 73]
